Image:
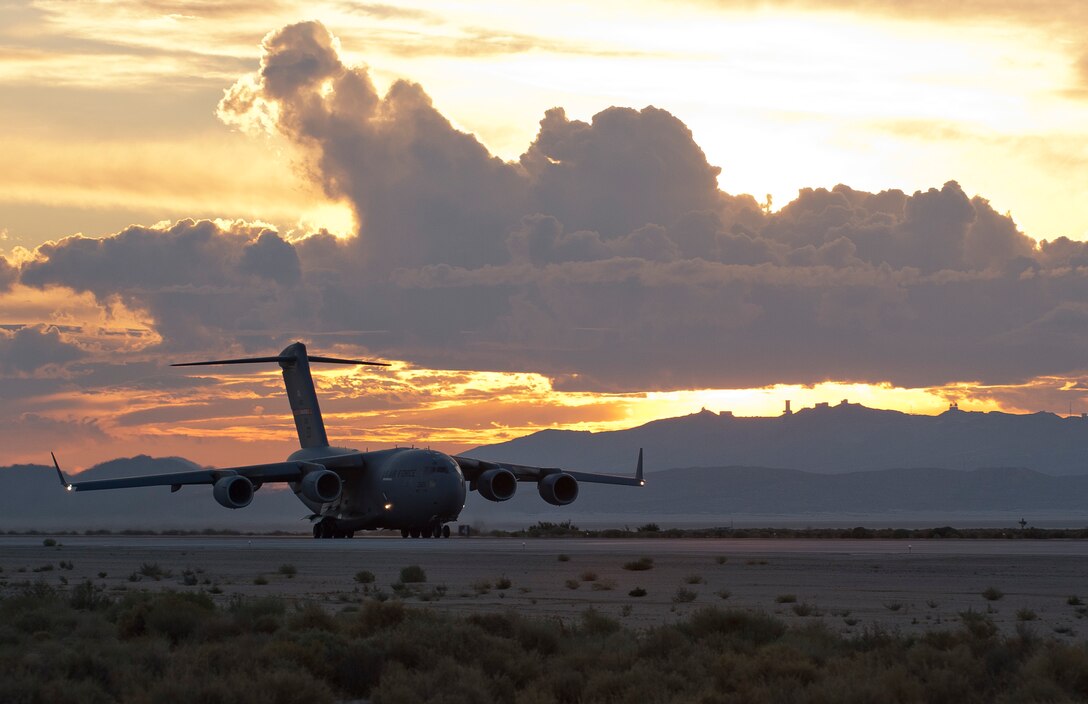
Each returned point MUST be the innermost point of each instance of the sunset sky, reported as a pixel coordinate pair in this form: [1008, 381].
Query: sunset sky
[542, 214]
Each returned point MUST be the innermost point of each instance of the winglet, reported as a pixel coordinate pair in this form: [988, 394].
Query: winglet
[63, 479]
[638, 470]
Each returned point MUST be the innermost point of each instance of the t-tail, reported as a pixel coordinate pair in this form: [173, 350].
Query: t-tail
[300, 388]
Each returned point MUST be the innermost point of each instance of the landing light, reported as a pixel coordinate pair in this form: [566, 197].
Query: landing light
[69, 487]
[388, 507]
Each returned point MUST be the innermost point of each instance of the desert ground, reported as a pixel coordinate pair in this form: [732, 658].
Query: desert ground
[850, 584]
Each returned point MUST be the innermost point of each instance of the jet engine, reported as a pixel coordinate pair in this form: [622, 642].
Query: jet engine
[234, 491]
[321, 486]
[497, 484]
[558, 489]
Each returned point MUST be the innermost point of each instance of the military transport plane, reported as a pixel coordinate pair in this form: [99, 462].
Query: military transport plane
[416, 491]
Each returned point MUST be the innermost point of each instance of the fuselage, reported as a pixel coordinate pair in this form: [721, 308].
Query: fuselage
[401, 488]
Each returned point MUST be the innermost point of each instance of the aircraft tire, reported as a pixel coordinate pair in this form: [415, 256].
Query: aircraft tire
[414, 532]
[445, 531]
[350, 534]
[404, 532]
[317, 530]
[426, 532]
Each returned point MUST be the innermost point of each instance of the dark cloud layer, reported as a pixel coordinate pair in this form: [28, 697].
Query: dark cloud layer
[606, 256]
[32, 349]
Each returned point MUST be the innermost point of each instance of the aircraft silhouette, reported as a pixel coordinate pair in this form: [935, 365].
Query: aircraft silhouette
[414, 490]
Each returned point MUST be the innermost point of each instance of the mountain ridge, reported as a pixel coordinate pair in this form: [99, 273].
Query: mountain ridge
[826, 439]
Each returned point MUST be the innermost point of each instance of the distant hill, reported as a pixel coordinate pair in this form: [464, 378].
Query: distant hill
[828, 439]
[707, 496]
[31, 498]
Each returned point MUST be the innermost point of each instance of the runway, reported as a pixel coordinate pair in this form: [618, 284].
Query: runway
[849, 584]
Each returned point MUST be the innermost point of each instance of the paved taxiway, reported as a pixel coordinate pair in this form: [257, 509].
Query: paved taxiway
[850, 584]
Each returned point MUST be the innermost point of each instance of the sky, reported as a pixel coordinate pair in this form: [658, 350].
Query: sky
[543, 215]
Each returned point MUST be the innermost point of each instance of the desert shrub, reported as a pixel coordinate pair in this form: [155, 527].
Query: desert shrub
[649, 528]
[152, 570]
[597, 624]
[977, 625]
[721, 559]
[723, 593]
[413, 574]
[503, 582]
[588, 576]
[181, 647]
[376, 616]
[448, 681]
[49, 543]
[174, 616]
[85, 596]
[785, 598]
[639, 565]
[256, 614]
[637, 592]
[683, 596]
[288, 571]
[496, 624]
[572, 584]
[694, 579]
[563, 557]
[364, 577]
[751, 628]
[805, 609]
[1074, 600]
[312, 617]
[992, 594]
[260, 580]
[482, 586]
[1026, 615]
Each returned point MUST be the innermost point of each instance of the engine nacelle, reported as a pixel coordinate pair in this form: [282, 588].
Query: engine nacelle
[558, 489]
[497, 484]
[321, 486]
[234, 491]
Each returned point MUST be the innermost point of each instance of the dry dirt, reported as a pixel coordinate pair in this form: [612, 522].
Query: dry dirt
[851, 585]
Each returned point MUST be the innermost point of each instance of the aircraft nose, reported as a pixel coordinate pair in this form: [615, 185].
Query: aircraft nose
[455, 490]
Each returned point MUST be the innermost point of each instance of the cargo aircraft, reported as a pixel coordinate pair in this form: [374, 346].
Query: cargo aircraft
[412, 490]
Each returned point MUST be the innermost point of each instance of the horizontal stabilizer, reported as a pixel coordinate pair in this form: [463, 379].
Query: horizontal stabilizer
[280, 358]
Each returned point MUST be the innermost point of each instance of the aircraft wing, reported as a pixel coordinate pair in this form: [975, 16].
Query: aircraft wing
[472, 468]
[257, 473]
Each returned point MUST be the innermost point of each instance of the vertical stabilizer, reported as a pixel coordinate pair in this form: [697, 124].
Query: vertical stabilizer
[303, 396]
[300, 387]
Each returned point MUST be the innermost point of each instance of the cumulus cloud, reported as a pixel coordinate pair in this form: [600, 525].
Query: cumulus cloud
[605, 256]
[8, 274]
[195, 279]
[33, 349]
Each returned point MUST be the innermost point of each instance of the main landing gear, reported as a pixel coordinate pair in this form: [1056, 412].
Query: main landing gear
[327, 528]
[434, 530]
